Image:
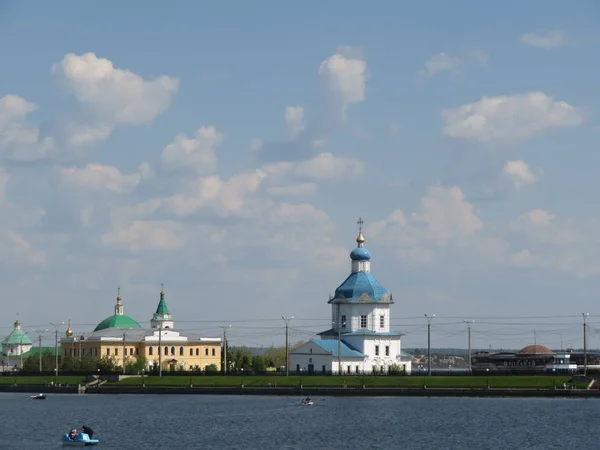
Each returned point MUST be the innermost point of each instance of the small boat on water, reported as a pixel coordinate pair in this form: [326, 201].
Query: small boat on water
[82, 440]
[306, 402]
[38, 397]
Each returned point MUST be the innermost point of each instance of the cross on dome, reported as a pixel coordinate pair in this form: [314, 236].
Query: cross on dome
[360, 240]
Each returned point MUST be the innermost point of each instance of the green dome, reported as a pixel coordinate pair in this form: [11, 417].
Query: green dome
[17, 337]
[117, 321]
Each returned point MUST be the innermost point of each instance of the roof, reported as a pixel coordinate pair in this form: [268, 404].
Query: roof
[162, 306]
[361, 287]
[536, 350]
[331, 346]
[34, 351]
[117, 321]
[17, 337]
[333, 332]
[360, 254]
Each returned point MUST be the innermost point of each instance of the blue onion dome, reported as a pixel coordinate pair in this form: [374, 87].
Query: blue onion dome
[360, 254]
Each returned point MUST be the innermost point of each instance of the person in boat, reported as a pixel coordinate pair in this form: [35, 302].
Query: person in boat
[73, 434]
[307, 400]
[87, 430]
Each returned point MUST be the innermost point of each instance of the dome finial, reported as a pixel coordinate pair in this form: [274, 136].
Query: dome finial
[118, 293]
[360, 240]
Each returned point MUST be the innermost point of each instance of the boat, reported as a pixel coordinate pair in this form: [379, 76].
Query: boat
[306, 402]
[82, 440]
[38, 397]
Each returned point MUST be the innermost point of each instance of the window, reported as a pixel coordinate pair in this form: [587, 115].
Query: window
[205, 352]
[108, 352]
[166, 351]
[116, 352]
[137, 351]
[377, 350]
[197, 351]
[150, 350]
[214, 352]
[96, 351]
[374, 369]
[387, 350]
[323, 368]
[172, 350]
[344, 321]
[349, 369]
[180, 351]
[191, 352]
[381, 321]
[131, 352]
[363, 321]
[357, 369]
[310, 360]
[297, 367]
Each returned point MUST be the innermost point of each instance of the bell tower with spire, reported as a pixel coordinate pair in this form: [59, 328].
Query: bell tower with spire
[162, 317]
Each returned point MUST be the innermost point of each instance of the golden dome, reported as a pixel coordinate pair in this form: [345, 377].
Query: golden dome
[536, 350]
[69, 332]
[360, 239]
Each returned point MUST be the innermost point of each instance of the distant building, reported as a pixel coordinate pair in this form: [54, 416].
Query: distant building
[123, 339]
[17, 347]
[361, 339]
[532, 359]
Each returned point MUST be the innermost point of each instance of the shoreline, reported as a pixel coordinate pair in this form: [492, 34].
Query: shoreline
[315, 392]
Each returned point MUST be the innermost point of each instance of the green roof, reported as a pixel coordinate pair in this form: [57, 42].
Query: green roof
[162, 306]
[117, 321]
[17, 337]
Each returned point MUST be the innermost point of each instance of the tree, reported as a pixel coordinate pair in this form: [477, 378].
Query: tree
[211, 368]
[136, 365]
[108, 364]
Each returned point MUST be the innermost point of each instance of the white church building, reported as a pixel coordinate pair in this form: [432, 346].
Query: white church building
[360, 340]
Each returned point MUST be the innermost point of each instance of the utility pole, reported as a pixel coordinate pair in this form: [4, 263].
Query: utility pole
[40, 345]
[56, 351]
[339, 324]
[124, 352]
[287, 346]
[469, 322]
[21, 351]
[160, 350]
[429, 319]
[224, 328]
[585, 358]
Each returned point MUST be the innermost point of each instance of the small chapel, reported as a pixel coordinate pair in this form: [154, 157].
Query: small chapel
[360, 339]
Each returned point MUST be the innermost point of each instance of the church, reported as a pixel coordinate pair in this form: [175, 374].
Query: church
[361, 339]
[122, 339]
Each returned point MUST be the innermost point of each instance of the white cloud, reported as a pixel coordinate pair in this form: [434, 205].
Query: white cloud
[552, 39]
[141, 236]
[20, 139]
[291, 190]
[114, 96]
[441, 62]
[326, 166]
[518, 173]
[445, 216]
[197, 153]
[514, 117]
[345, 75]
[294, 119]
[15, 249]
[100, 177]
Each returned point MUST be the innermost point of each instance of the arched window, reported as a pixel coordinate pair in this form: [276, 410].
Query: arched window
[180, 351]
[166, 351]
[172, 350]
[151, 350]
[197, 351]
[191, 352]
[214, 352]
[205, 352]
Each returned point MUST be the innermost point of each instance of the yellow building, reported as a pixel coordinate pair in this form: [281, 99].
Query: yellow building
[122, 339]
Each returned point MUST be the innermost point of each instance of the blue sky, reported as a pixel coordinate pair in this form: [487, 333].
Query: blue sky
[228, 149]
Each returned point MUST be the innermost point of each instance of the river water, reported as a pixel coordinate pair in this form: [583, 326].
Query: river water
[275, 423]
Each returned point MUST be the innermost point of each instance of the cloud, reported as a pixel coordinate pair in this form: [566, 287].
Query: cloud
[144, 236]
[513, 117]
[100, 177]
[294, 116]
[552, 39]
[197, 154]
[518, 173]
[111, 96]
[441, 62]
[20, 140]
[343, 76]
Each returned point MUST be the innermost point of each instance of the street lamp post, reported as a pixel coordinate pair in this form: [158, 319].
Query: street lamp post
[469, 322]
[21, 349]
[585, 358]
[553, 378]
[224, 328]
[287, 345]
[40, 346]
[487, 377]
[429, 319]
[56, 351]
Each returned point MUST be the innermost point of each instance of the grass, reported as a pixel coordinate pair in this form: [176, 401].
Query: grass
[39, 381]
[464, 382]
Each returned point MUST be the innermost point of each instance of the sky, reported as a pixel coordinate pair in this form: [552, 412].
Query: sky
[227, 150]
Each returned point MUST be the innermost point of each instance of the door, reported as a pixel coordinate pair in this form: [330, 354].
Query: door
[311, 368]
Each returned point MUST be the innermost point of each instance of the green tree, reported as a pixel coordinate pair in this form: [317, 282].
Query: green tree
[108, 364]
[136, 365]
[211, 368]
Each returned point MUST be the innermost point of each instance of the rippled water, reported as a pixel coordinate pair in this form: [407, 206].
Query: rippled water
[248, 422]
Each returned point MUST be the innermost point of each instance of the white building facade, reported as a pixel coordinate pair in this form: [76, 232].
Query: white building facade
[361, 339]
